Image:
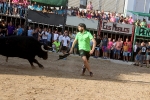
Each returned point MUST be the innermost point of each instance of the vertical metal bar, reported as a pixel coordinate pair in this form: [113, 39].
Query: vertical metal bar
[145, 6]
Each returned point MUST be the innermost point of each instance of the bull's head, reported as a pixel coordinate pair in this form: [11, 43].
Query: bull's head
[44, 53]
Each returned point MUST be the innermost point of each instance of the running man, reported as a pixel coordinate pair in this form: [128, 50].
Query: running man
[83, 38]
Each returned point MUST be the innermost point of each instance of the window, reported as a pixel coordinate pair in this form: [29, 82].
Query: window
[83, 4]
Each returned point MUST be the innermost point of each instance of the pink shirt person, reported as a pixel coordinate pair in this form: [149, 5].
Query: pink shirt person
[89, 6]
[112, 19]
[130, 20]
[118, 45]
[89, 16]
[109, 45]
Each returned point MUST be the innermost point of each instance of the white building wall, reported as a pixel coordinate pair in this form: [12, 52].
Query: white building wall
[137, 6]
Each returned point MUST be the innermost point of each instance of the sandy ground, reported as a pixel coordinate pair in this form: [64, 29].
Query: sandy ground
[61, 80]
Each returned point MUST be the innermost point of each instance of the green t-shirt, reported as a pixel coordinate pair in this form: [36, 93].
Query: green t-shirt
[143, 24]
[57, 44]
[84, 40]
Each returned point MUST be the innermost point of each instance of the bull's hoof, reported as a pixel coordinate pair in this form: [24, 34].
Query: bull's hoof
[41, 66]
[33, 67]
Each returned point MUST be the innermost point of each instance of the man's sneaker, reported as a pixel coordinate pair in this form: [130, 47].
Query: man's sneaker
[83, 71]
[91, 74]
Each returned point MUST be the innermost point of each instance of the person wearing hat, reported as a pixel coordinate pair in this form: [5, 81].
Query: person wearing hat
[83, 38]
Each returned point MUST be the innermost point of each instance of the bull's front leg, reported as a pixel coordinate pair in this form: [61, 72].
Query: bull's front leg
[40, 65]
[31, 62]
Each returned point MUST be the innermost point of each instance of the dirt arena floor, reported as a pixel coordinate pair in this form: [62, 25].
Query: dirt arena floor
[61, 80]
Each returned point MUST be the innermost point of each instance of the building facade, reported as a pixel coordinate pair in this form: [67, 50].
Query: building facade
[137, 6]
[106, 5]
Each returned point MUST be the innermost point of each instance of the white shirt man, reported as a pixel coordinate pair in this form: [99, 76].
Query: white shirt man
[60, 37]
[65, 40]
[55, 36]
[44, 37]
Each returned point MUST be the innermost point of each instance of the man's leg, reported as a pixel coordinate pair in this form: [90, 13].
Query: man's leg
[141, 60]
[86, 64]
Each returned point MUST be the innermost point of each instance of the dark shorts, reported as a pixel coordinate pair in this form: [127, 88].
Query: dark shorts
[64, 48]
[84, 53]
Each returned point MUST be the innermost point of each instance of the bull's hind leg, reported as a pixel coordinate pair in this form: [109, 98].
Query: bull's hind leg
[31, 62]
[41, 66]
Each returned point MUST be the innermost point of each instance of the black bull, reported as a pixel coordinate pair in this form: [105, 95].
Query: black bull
[23, 47]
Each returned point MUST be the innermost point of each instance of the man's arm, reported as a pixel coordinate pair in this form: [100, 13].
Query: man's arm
[73, 44]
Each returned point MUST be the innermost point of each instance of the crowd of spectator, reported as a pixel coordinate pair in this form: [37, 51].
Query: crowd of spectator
[17, 9]
[123, 50]
[106, 48]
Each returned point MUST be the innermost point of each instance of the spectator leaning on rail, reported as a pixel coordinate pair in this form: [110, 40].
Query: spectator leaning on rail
[143, 23]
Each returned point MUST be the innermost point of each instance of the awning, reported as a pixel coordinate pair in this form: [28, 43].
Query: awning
[140, 14]
[52, 2]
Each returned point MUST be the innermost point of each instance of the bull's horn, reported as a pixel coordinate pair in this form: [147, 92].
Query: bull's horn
[49, 47]
[42, 47]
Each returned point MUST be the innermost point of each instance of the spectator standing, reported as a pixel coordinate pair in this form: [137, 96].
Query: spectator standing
[10, 29]
[55, 35]
[97, 48]
[104, 46]
[72, 37]
[113, 48]
[89, 6]
[109, 46]
[125, 52]
[118, 47]
[36, 34]
[143, 52]
[40, 35]
[30, 31]
[19, 30]
[65, 42]
[44, 36]
[134, 49]
[49, 42]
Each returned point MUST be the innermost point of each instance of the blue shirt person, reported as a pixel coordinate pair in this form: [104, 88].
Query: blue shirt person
[19, 31]
[30, 32]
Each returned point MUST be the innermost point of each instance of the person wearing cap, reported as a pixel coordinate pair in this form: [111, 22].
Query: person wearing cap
[83, 38]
